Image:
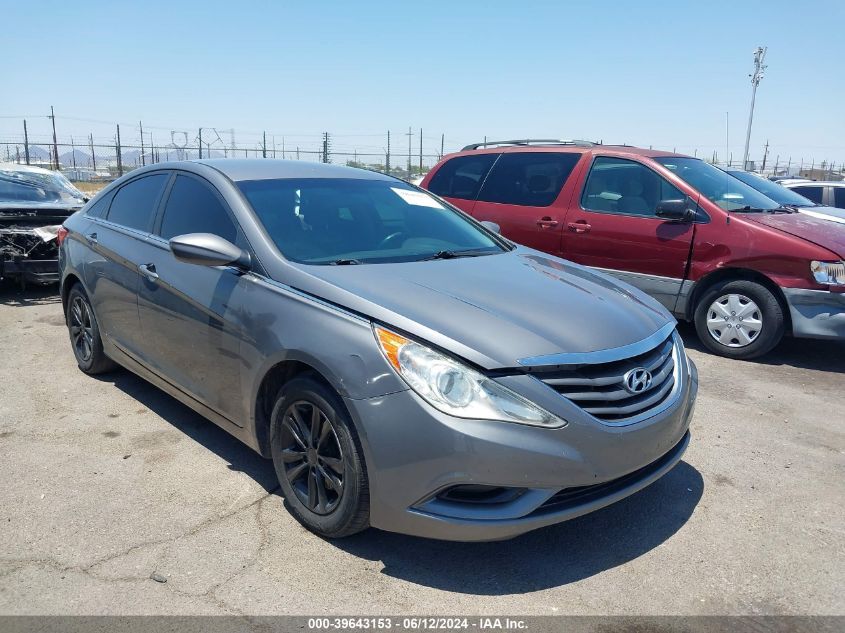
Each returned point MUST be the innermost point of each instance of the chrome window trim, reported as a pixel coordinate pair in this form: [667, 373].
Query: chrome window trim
[601, 356]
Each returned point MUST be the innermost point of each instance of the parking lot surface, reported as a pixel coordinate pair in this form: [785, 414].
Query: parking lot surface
[110, 487]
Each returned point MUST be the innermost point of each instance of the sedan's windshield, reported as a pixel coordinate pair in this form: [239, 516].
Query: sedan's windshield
[718, 186]
[355, 221]
[773, 190]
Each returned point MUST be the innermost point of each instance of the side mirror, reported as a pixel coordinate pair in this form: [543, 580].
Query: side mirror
[675, 210]
[205, 249]
[491, 226]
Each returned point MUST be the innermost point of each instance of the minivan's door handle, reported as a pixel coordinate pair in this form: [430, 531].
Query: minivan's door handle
[148, 271]
[91, 238]
[546, 221]
[579, 227]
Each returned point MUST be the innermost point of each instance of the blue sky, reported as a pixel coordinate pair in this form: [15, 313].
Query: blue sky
[646, 73]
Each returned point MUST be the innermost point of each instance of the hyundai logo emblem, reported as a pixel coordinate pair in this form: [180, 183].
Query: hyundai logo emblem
[637, 380]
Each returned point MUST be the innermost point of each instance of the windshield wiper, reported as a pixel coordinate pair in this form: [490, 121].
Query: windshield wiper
[750, 209]
[447, 254]
[345, 262]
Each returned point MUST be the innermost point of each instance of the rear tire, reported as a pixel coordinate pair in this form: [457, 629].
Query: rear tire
[318, 459]
[739, 319]
[85, 334]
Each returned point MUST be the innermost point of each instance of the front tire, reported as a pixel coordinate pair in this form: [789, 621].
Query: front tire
[85, 334]
[318, 459]
[739, 319]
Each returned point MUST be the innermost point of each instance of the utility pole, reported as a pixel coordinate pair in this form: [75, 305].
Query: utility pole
[25, 142]
[93, 158]
[420, 151]
[410, 135]
[200, 143]
[55, 144]
[143, 160]
[442, 143]
[264, 145]
[765, 154]
[73, 153]
[119, 157]
[756, 76]
[325, 147]
[387, 155]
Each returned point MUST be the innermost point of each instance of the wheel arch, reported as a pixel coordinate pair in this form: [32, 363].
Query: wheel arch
[273, 379]
[70, 280]
[732, 274]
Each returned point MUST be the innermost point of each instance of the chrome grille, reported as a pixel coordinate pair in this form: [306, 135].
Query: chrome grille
[599, 389]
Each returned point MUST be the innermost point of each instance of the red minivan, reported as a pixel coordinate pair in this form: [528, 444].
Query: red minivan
[709, 247]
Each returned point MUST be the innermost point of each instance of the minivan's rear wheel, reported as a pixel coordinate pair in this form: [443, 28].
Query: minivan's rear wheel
[739, 319]
[318, 460]
[85, 334]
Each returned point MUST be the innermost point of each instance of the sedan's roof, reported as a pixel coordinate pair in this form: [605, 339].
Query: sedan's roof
[269, 168]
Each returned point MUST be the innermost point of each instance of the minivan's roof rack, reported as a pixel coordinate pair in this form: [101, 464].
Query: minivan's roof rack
[531, 141]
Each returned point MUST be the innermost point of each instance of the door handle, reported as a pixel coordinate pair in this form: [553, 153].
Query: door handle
[579, 227]
[91, 238]
[546, 221]
[148, 271]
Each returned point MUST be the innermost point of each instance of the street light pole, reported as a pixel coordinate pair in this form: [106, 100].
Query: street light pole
[756, 76]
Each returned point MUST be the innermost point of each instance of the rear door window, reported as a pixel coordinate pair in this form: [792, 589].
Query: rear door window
[531, 179]
[625, 187]
[100, 207]
[135, 203]
[193, 207]
[462, 176]
[813, 192]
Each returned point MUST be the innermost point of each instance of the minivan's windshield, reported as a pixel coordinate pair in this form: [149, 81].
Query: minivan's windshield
[718, 186]
[357, 221]
[773, 190]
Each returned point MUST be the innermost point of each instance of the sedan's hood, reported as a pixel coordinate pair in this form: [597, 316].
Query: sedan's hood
[825, 233]
[494, 310]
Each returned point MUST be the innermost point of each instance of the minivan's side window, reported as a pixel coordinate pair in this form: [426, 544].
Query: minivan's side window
[813, 192]
[626, 187]
[532, 179]
[135, 203]
[462, 176]
[192, 207]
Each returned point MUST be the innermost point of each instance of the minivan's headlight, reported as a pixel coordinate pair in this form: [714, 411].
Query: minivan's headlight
[454, 388]
[831, 273]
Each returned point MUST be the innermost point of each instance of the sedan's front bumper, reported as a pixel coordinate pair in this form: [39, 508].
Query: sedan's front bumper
[816, 313]
[415, 455]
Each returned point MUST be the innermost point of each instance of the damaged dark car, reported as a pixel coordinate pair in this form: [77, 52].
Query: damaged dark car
[33, 204]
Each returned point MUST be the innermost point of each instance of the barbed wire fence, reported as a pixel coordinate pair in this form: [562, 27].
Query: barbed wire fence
[116, 149]
[95, 156]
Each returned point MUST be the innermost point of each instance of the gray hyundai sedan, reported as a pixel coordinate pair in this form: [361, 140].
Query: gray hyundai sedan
[403, 365]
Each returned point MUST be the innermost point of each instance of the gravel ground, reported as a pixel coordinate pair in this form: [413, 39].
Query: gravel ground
[109, 487]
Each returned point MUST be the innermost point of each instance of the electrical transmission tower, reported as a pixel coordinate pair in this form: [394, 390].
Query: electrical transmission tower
[756, 76]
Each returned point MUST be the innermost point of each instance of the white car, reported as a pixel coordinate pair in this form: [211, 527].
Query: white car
[791, 195]
[831, 194]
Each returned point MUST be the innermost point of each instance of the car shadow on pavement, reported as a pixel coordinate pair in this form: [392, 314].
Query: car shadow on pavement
[549, 557]
[11, 294]
[792, 352]
[238, 455]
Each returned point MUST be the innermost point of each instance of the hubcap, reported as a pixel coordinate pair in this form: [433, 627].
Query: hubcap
[313, 459]
[734, 320]
[81, 329]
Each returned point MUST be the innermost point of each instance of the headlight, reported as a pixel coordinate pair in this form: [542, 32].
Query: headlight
[831, 273]
[454, 388]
